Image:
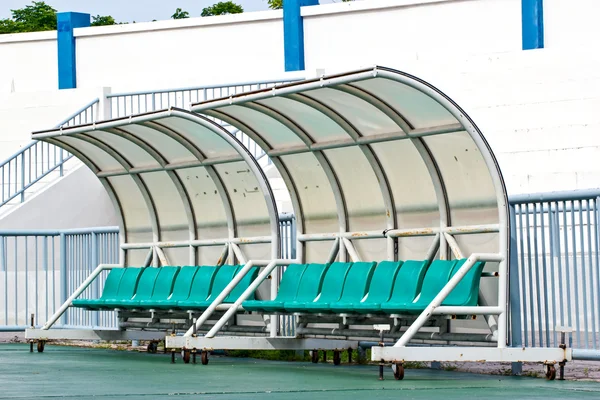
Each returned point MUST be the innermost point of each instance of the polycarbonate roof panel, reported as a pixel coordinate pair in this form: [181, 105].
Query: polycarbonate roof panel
[373, 150]
[177, 178]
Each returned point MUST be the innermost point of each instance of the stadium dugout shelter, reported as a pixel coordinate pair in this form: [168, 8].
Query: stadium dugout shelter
[402, 225]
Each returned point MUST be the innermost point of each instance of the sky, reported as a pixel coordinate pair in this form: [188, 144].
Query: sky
[133, 10]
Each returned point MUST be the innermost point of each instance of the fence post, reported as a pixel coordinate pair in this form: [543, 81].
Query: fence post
[22, 177]
[516, 339]
[64, 295]
[96, 284]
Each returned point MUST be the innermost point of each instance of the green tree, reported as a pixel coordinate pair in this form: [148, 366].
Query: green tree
[275, 4]
[222, 8]
[33, 18]
[102, 20]
[180, 14]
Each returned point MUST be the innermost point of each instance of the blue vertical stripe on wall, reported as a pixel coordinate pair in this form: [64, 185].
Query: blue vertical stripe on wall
[532, 14]
[293, 33]
[67, 60]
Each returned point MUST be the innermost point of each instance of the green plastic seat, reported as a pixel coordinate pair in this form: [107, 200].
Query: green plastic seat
[288, 288]
[241, 287]
[355, 287]
[163, 287]
[331, 290]
[380, 290]
[111, 287]
[181, 290]
[127, 287]
[407, 286]
[144, 290]
[201, 299]
[200, 288]
[466, 292]
[435, 279]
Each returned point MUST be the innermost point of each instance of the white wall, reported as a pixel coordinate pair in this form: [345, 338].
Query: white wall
[181, 53]
[384, 31]
[24, 112]
[28, 62]
[571, 23]
[76, 201]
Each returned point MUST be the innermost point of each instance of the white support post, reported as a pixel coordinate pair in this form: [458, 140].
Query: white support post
[334, 251]
[238, 253]
[148, 259]
[453, 245]
[351, 250]
[77, 292]
[162, 257]
[223, 255]
[435, 245]
[261, 277]
[437, 301]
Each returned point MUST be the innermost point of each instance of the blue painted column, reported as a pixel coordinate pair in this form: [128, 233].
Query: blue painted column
[532, 14]
[293, 33]
[67, 60]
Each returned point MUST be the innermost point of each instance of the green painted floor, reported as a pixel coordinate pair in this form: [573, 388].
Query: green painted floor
[66, 372]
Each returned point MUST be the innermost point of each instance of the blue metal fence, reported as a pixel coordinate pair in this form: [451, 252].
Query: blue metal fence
[555, 269]
[40, 269]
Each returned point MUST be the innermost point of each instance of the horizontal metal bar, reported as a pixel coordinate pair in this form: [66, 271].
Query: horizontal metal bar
[476, 354]
[586, 354]
[554, 196]
[49, 232]
[476, 310]
[197, 243]
[397, 233]
[89, 334]
[456, 337]
[257, 343]
[171, 167]
[386, 137]
[214, 86]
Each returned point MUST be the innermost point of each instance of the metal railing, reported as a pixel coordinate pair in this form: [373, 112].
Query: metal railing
[37, 160]
[555, 268]
[40, 269]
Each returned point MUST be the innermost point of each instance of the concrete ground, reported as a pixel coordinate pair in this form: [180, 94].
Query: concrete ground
[86, 373]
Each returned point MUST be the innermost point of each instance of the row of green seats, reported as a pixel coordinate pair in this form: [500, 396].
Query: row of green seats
[369, 288]
[182, 288]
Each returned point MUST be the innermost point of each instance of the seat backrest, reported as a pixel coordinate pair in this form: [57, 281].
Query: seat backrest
[333, 283]
[202, 283]
[380, 288]
[111, 284]
[146, 283]
[183, 283]
[357, 281]
[437, 276]
[466, 292]
[311, 282]
[408, 282]
[290, 282]
[242, 285]
[224, 275]
[129, 282]
[164, 283]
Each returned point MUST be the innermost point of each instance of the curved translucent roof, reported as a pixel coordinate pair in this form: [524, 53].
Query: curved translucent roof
[376, 154]
[180, 182]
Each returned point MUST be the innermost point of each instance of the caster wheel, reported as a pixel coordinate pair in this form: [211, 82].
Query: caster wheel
[204, 357]
[337, 359]
[550, 372]
[187, 354]
[40, 346]
[315, 356]
[152, 347]
[398, 371]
